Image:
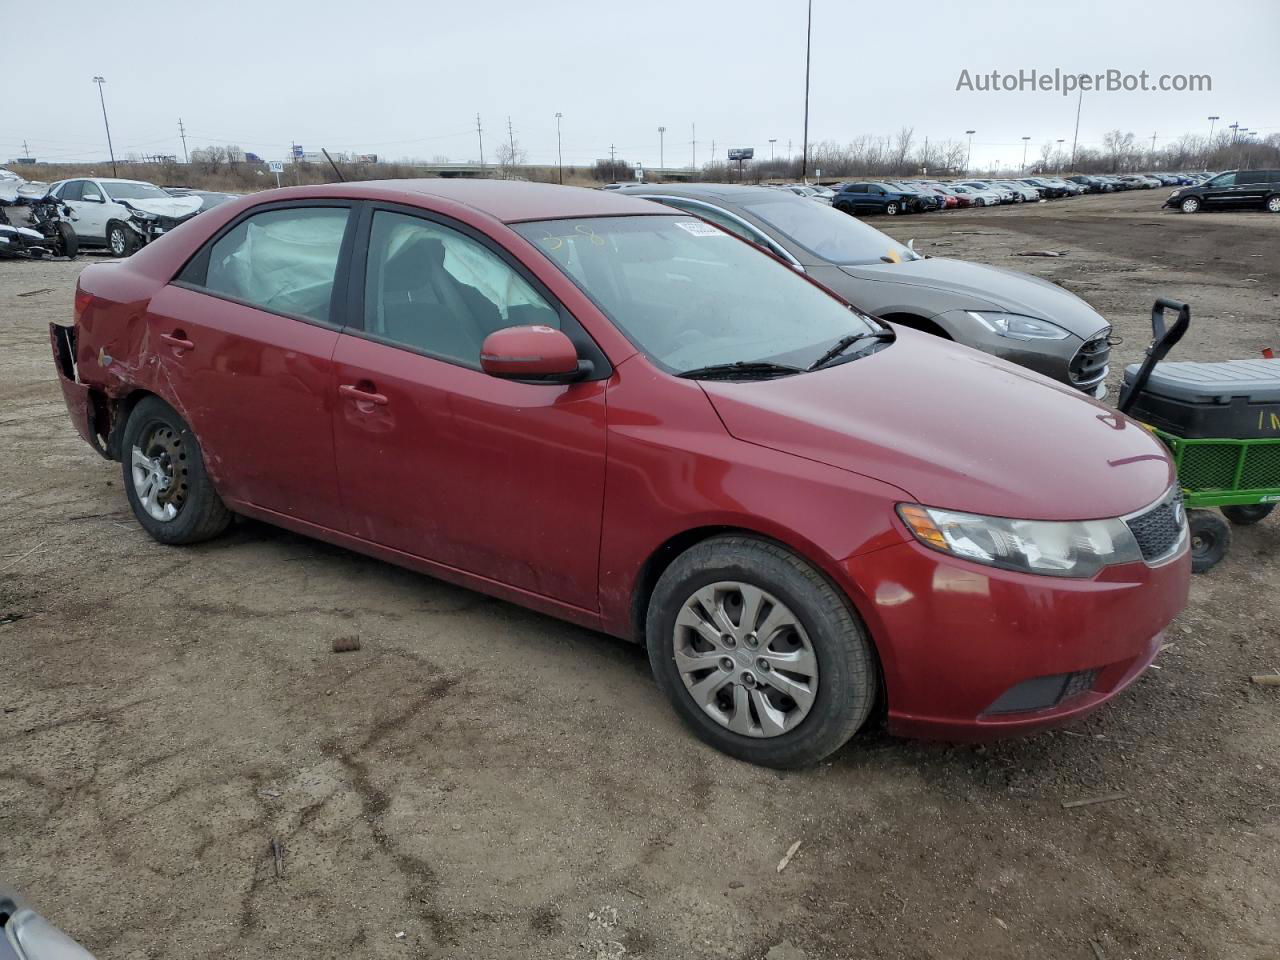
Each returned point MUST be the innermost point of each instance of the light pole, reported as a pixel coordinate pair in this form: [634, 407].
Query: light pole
[661, 141]
[808, 45]
[969, 155]
[1060, 143]
[1025, 141]
[772, 141]
[1209, 148]
[1075, 139]
[559, 152]
[110, 149]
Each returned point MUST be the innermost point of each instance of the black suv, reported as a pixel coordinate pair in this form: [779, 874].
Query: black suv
[1235, 188]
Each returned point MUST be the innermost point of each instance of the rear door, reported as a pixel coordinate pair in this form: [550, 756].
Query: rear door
[1252, 186]
[500, 479]
[244, 342]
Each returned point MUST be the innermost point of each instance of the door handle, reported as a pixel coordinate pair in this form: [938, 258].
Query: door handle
[178, 340]
[356, 392]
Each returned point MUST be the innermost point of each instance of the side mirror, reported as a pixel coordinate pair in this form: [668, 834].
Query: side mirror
[94, 199]
[531, 353]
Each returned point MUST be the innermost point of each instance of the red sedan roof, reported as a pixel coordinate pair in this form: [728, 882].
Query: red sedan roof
[508, 200]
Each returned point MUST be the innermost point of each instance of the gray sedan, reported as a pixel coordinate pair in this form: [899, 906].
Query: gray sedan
[1021, 318]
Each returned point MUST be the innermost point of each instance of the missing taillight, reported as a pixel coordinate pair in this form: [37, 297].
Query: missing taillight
[64, 341]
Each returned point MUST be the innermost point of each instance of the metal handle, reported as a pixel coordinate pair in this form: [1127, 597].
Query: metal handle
[1163, 340]
[353, 392]
[176, 339]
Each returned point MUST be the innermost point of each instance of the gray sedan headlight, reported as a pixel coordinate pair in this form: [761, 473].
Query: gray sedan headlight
[35, 938]
[1018, 327]
[1057, 549]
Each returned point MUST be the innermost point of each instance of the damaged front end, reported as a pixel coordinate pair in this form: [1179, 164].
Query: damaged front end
[152, 223]
[89, 409]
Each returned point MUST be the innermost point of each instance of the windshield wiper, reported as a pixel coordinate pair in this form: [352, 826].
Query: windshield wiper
[844, 343]
[740, 370]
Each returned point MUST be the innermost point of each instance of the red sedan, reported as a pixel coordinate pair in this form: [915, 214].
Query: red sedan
[621, 415]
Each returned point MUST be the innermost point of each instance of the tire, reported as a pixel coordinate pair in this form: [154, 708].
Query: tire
[1273, 204]
[1190, 205]
[67, 244]
[121, 240]
[1210, 539]
[891, 208]
[815, 629]
[186, 508]
[1246, 514]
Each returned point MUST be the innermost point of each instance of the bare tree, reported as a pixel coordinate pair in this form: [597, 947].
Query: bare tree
[510, 158]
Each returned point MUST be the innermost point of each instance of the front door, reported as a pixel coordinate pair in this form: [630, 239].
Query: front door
[500, 479]
[243, 343]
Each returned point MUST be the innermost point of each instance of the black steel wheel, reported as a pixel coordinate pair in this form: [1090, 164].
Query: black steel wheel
[1210, 539]
[1245, 514]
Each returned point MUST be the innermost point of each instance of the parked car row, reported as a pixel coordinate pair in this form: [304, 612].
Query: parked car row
[804, 510]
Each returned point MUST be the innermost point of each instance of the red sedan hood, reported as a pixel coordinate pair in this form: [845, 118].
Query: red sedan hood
[956, 429]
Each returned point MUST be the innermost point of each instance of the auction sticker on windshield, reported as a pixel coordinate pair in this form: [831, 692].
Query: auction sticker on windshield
[700, 229]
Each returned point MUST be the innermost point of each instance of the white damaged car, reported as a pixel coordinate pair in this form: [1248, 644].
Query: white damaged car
[122, 215]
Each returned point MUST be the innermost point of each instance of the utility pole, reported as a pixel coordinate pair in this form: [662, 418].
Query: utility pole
[693, 132]
[1075, 139]
[1060, 143]
[661, 155]
[183, 134]
[1153, 150]
[1025, 141]
[772, 141]
[969, 155]
[511, 139]
[1209, 148]
[110, 149]
[559, 152]
[925, 156]
[808, 46]
[613, 163]
[480, 135]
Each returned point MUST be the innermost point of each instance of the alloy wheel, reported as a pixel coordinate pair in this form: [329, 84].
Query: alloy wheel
[159, 471]
[745, 659]
[1273, 204]
[118, 241]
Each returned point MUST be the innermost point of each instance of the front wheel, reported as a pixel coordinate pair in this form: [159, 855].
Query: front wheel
[1190, 205]
[758, 653]
[1249, 513]
[1210, 539]
[891, 208]
[67, 244]
[121, 239]
[1273, 204]
[165, 479]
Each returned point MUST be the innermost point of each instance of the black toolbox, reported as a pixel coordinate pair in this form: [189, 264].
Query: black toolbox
[1237, 399]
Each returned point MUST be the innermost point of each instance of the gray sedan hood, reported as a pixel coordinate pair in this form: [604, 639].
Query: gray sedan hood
[980, 287]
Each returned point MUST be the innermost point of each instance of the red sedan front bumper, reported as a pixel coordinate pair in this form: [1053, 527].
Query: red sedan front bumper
[974, 653]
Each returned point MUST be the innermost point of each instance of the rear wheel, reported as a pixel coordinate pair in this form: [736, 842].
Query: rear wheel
[1190, 205]
[121, 239]
[1210, 539]
[891, 208]
[165, 479]
[758, 653]
[1246, 514]
[1273, 204]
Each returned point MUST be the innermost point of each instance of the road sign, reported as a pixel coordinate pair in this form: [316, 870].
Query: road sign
[276, 166]
[640, 172]
[742, 153]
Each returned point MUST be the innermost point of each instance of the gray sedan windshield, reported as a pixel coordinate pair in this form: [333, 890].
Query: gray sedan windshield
[828, 233]
[690, 295]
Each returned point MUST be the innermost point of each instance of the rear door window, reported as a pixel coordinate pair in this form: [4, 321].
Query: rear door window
[72, 190]
[283, 261]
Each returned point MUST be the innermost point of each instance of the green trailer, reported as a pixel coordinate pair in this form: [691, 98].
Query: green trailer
[1221, 423]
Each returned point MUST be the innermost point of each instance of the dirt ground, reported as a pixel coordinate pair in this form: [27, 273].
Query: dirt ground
[483, 782]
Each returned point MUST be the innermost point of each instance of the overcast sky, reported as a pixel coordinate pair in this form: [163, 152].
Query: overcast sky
[406, 79]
